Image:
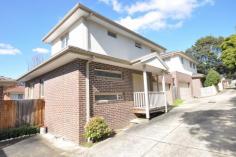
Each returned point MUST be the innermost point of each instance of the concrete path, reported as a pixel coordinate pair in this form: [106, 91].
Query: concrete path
[200, 128]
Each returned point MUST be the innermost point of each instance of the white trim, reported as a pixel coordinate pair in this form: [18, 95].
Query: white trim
[164, 91]
[145, 82]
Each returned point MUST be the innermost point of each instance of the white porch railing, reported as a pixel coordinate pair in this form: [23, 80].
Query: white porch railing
[156, 99]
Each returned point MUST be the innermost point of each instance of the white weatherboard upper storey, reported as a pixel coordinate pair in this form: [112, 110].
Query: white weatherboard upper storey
[89, 31]
[175, 64]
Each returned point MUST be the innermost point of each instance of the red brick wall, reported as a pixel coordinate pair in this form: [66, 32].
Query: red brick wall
[65, 109]
[62, 100]
[117, 114]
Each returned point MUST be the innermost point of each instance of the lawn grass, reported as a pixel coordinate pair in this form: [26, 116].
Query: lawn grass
[178, 102]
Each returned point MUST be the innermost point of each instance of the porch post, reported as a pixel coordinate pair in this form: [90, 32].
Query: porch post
[145, 83]
[164, 91]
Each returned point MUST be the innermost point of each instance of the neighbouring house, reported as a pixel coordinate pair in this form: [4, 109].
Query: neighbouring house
[15, 92]
[186, 82]
[97, 68]
[5, 83]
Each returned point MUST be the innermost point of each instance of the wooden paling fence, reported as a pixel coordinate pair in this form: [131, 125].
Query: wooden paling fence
[15, 113]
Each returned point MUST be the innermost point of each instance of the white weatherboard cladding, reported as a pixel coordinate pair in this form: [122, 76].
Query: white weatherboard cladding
[56, 47]
[77, 37]
[175, 64]
[120, 47]
[100, 42]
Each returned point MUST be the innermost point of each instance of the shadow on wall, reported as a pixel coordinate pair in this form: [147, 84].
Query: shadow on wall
[218, 127]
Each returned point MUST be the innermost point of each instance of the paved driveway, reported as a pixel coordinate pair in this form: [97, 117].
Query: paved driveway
[200, 128]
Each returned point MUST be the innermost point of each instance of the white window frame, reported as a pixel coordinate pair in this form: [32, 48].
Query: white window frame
[110, 71]
[119, 97]
[64, 40]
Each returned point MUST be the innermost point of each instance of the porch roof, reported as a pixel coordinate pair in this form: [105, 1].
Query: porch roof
[153, 62]
[5, 81]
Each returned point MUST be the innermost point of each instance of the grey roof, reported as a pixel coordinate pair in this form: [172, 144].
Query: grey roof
[3, 78]
[6, 81]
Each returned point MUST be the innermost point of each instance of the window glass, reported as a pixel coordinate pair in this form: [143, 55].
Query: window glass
[107, 73]
[105, 97]
[138, 45]
[111, 34]
[182, 60]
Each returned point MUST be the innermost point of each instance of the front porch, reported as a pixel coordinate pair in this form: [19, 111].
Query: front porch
[147, 102]
[157, 102]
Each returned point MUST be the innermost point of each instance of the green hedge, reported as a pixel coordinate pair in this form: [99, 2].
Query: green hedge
[16, 132]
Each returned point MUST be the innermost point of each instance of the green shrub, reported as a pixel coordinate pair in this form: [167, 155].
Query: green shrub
[178, 102]
[212, 78]
[97, 129]
[16, 132]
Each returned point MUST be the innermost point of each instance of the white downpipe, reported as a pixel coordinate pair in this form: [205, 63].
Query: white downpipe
[87, 92]
[164, 90]
[146, 92]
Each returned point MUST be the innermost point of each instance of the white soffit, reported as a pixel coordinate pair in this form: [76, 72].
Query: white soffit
[65, 25]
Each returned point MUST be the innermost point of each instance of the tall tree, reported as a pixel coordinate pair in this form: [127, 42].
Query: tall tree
[207, 52]
[229, 52]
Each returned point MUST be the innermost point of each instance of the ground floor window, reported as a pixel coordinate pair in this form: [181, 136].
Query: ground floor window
[108, 74]
[106, 97]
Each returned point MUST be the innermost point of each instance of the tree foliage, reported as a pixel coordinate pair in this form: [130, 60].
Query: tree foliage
[212, 78]
[206, 51]
[229, 52]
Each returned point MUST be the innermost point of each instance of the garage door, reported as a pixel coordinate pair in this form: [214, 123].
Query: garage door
[185, 91]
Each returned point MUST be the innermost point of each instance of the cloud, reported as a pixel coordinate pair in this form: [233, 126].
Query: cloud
[40, 50]
[157, 14]
[116, 5]
[7, 49]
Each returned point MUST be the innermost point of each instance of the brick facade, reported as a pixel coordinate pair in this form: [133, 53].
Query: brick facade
[62, 100]
[117, 114]
[65, 98]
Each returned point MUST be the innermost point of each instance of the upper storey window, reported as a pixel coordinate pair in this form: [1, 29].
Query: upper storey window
[138, 45]
[64, 41]
[111, 34]
[182, 60]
